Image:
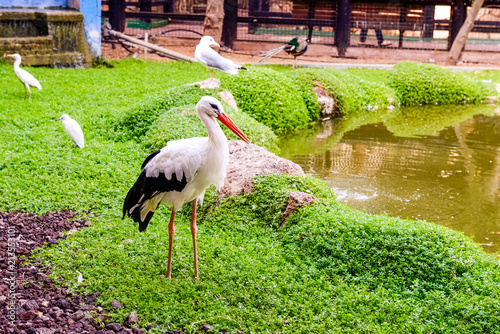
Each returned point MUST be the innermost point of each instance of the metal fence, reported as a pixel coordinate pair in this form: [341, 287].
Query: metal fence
[414, 25]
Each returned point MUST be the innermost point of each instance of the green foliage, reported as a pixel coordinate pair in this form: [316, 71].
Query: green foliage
[269, 198]
[268, 96]
[418, 83]
[331, 269]
[182, 122]
[136, 122]
[351, 92]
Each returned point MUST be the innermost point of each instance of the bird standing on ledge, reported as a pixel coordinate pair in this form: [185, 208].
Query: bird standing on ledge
[26, 78]
[296, 47]
[181, 172]
[209, 58]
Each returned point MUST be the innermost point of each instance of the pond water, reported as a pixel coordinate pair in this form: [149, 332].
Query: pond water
[439, 164]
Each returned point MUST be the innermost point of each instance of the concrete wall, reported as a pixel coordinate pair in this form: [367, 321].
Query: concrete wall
[33, 3]
[91, 10]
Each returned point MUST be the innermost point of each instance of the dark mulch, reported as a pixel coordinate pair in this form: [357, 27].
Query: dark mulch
[38, 306]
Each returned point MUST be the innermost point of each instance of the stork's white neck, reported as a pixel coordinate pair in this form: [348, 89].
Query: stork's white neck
[215, 133]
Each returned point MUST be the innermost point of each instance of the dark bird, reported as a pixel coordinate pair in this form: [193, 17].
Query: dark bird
[296, 47]
[181, 172]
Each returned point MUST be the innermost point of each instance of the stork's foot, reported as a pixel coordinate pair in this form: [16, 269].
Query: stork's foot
[208, 83]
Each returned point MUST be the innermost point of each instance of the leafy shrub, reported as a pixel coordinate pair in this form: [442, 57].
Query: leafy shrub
[135, 123]
[351, 92]
[270, 97]
[182, 122]
[417, 84]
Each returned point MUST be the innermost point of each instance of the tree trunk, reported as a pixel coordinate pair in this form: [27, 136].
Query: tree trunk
[459, 43]
[342, 30]
[183, 6]
[214, 17]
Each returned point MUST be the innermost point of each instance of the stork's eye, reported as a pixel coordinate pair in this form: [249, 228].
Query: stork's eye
[214, 106]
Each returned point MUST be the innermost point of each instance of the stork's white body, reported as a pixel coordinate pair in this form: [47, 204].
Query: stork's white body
[26, 78]
[203, 161]
[181, 172]
[73, 129]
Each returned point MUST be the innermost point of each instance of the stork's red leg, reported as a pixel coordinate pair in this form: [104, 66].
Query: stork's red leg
[171, 231]
[194, 230]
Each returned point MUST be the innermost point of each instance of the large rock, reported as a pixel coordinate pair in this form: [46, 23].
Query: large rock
[247, 161]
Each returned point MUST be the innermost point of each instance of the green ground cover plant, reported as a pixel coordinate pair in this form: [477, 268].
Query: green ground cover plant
[330, 269]
[418, 84]
[182, 122]
[352, 93]
[270, 97]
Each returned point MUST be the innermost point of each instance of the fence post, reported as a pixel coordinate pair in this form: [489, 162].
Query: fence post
[403, 12]
[117, 15]
[310, 15]
[253, 6]
[230, 22]
[429, 21]
[457, 19]
[342, 27]
[145, 6]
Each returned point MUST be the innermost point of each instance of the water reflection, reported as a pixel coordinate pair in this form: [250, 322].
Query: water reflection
[438, 164]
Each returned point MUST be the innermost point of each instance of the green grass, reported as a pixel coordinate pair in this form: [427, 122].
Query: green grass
[331, 269]
[418, 84]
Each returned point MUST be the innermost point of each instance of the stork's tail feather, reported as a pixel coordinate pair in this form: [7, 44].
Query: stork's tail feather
[268, 54]
[132, 206]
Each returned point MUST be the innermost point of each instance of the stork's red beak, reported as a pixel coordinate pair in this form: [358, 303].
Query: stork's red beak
[231, 126]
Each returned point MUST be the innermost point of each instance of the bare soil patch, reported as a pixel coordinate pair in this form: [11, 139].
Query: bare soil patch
[30, 303]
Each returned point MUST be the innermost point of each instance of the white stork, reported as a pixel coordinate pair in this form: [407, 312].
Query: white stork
[26, 78]
[209, 58]
[181, 172]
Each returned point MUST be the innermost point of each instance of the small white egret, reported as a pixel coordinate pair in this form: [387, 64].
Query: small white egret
[209, 58]
[73, 129]
[181, 172]
[26, 78]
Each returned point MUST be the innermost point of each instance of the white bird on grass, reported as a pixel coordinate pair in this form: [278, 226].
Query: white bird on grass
[73, 129]
[209, 58]
[181, 172]
[26, 78]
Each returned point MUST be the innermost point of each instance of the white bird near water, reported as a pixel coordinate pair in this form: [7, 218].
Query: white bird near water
[181, 172]
[73, 129]
[26, 78]
[209, 58]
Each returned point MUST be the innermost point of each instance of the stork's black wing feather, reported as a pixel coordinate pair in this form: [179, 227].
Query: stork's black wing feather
[148, 159]
[144, 189]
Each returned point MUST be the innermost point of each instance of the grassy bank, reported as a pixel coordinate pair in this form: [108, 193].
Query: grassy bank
[331, 269]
